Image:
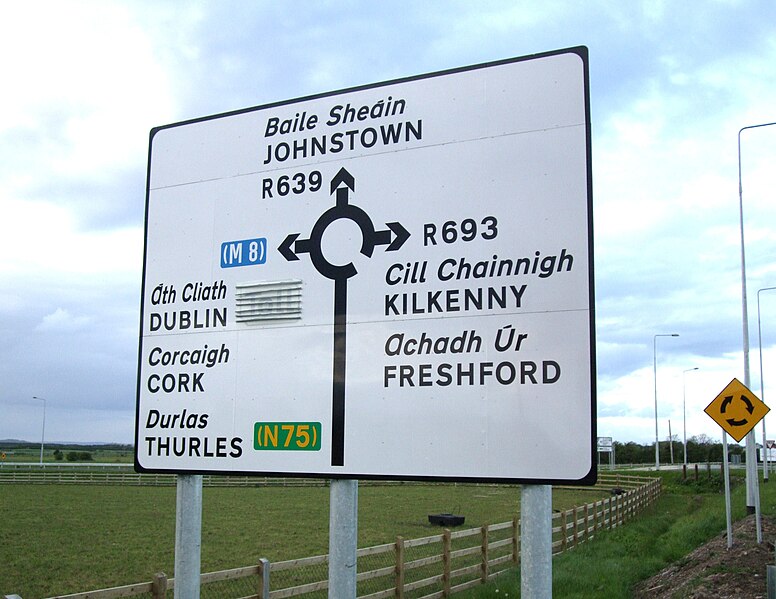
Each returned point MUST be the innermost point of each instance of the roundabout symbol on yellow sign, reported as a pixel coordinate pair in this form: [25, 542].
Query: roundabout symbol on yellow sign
[737, 410]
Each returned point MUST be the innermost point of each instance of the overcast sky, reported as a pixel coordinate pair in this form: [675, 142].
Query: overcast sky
[671, 85]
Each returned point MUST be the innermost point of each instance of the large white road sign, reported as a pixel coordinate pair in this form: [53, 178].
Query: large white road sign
[392, 281]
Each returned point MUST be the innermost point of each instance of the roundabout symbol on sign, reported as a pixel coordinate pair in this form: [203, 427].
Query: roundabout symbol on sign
[749, 407]
[737, 410]
[393, 237]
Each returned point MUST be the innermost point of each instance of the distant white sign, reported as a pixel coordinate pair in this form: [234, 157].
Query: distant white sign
[392, 281]
[605, 444]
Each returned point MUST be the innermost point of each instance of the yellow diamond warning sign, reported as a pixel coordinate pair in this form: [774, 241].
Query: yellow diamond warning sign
[737, 409]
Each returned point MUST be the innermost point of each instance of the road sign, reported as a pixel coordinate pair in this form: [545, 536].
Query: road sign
[604, 444]
[391, 281]
[737, 410]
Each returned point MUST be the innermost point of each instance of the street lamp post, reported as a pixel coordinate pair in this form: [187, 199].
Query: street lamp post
[654, 371]
[43, 430]
[751, 465]
[684, 410]
[762, 382]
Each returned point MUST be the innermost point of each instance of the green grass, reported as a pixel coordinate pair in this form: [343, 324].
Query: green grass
[686, 516]
[57, 539]
[99, 455]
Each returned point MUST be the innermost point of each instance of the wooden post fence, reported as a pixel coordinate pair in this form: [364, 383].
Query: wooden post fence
[497, 550]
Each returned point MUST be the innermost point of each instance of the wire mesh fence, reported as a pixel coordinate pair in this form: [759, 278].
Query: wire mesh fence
[306, 578]
[438, 565]
[377, 567]
[229, 584]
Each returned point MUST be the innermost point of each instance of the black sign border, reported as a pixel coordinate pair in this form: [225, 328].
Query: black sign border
[588, 479]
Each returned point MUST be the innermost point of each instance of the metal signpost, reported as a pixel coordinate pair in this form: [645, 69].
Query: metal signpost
[737, 410]
[188, 536]
[606, 445]
[386, 282]
[766, 448]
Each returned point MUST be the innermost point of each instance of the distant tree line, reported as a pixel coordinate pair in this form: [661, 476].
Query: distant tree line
[13, 444]
[700, 449]
[73, 456]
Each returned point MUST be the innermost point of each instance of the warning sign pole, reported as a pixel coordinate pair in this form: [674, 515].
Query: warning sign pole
[737, 410]
[726, 470]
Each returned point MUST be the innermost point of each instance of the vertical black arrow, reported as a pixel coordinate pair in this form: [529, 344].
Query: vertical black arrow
[339, 363]
[394, 237]
[340, 335]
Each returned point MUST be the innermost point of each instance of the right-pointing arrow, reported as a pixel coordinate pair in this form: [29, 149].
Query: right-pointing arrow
[401, 234]
[394, 236]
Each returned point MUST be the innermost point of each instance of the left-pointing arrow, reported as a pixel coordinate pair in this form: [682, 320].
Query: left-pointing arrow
[286, 248]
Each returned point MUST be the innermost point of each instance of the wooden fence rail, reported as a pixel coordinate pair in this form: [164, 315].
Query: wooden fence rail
[439, 565]
[102, 477]
[49, 476]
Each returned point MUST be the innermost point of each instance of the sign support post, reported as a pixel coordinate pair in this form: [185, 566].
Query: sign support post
[758, 513]
[737, 410]
[752, 479]
[188, 536]
[726, 470]
[343, 538]
[605, 445]
[536, 541]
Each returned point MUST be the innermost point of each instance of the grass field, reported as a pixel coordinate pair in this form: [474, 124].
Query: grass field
[98, 455]
[686, 516]
[64, 539]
